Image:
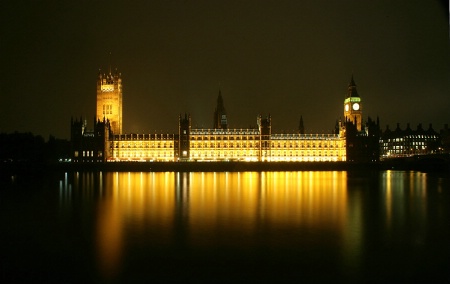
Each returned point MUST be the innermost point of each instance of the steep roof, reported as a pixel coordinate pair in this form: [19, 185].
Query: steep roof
[352, 92]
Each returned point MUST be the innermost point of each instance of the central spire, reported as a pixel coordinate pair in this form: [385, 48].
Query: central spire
[110, 62]
[220, 114]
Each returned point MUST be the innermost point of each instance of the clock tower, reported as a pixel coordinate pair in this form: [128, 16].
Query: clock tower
[353, 106]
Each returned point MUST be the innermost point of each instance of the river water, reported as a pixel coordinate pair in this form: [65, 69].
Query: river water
[281, 227]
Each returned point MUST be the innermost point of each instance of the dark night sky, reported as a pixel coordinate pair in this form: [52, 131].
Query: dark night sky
[286, 58]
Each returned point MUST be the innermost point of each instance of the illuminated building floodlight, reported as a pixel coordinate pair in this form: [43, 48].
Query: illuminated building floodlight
[352, 100]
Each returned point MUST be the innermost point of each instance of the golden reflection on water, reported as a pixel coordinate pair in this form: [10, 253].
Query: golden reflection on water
[336, 218]
[244, 206]
[210, 209]
[404, 194]
[249, 199]
[209, 204]
[132, 200]
[109, 238]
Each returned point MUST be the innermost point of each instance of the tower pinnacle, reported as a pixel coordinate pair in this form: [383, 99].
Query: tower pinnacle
[301, 127]
[352, 92]
[110, 62]
[220, 114]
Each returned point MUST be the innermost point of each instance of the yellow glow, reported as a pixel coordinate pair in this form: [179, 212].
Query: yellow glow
[397, 185]
[237, 201]
[107, 88]
[140, 198]
[234, 147]
[109, 102]
[155, 205]
[215, 202]
[109, 239]
[388, 194]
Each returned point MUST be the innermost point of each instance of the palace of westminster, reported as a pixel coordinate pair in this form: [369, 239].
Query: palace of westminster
[352, 140]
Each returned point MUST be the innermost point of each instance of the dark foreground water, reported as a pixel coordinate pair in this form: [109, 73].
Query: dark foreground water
[226, 227]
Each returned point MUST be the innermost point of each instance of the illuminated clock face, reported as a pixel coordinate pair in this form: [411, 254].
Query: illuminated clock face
[355, 106]
[346, 107]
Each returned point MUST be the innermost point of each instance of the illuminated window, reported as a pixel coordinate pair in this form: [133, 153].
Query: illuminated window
[107, 109]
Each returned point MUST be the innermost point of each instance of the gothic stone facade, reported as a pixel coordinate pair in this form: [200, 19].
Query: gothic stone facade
[107, 142]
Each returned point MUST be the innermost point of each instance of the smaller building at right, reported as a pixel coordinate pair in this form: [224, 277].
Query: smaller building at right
[410, 142]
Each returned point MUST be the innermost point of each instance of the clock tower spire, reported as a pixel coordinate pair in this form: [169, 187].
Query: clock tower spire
[353, 106]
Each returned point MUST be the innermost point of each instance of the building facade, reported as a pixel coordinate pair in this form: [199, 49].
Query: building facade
[445, 139]
[409, 142]
[90, 146]
[219, 143]
[227, 145]
[109, 99]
